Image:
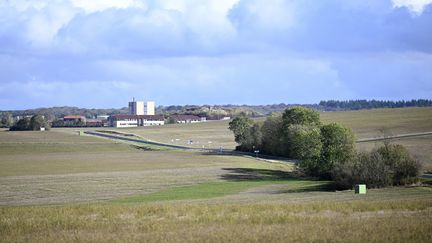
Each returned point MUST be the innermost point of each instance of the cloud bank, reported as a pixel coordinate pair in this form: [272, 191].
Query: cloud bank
[101, 53]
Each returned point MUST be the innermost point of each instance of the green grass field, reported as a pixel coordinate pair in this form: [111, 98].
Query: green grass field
[58, 186]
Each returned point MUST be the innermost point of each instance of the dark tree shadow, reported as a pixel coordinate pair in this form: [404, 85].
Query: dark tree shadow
[248, 174]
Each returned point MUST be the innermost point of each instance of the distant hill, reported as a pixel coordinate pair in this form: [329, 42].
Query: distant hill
[220, 111]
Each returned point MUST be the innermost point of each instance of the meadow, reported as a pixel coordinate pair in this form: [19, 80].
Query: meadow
[59, 186]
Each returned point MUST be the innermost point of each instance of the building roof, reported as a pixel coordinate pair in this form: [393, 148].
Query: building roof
[73, 117]
[144, 117]
[185, 117]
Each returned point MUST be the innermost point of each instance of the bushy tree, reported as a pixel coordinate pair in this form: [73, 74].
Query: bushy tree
[36, 122]
[21, 125]
[301, 116]
[338, 147]
[256, 136]
[404, 168]
[241, 127]
[305, 145]
[6, 120]
[272, 135]
[297, 123]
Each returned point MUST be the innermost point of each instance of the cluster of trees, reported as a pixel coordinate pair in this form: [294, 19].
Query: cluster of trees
[35, 123]
[326, 151]
[372, 104]
[6, 120]
[211, 112]
[59, 112]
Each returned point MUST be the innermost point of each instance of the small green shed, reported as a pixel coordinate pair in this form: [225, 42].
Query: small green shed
[360, 189]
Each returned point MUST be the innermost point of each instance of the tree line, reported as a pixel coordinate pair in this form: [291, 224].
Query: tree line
[326, 151]
[371, 104]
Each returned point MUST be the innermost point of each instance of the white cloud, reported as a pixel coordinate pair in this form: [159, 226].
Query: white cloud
[100, 5]
[416, 6]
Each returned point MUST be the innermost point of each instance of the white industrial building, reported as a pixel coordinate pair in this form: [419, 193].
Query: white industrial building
[141, 108]
[140, 114]
[136, 120]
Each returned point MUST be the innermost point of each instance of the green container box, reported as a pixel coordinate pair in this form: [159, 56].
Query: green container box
[360, 189]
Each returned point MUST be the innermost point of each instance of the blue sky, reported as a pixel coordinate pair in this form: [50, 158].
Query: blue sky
[101, 53]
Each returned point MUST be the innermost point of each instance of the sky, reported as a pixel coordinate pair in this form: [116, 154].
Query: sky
[103, 53]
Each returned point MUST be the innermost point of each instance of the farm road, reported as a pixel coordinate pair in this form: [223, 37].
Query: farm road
[210, 150]
[363, 140]
[407, 135]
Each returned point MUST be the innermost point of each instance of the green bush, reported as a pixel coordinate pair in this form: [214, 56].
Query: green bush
[385, 166]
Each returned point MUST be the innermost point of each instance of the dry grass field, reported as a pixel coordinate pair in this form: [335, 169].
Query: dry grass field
[58, 186]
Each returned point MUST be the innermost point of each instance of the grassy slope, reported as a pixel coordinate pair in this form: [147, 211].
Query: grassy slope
[370, 123]
[55, 152]
[379, 122]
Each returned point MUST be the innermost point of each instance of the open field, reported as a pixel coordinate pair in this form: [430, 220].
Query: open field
[56, 167]
[58, 186]
[365, 123]
[372, 123]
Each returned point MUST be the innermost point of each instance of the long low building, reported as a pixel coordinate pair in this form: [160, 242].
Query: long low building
[136, 120]
[187, 118]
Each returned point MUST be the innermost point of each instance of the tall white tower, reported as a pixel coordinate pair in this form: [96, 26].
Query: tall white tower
[136, 107]
[149, 108]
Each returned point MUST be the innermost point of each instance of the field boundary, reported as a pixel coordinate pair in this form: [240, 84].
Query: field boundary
[407, 135]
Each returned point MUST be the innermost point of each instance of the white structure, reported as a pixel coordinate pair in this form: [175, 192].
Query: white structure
[136, 120]
[149, 108]
[102, 117]
[141, 108]
[136, 108]
[187, 118]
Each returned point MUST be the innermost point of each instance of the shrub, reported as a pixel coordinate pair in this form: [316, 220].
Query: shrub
[385, 166]
[21, 125]
[404, 168]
